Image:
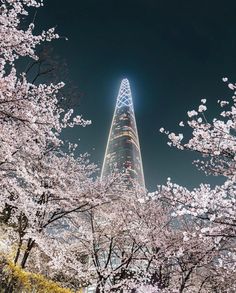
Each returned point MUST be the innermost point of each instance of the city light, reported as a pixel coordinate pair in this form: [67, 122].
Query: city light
[123, 153]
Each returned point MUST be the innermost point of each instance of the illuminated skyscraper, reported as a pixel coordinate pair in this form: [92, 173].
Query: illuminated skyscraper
[123, 150]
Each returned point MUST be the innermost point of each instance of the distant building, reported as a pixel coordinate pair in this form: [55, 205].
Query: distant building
[123, 150]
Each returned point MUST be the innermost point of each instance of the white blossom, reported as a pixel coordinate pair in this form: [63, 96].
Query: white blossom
[192, 113]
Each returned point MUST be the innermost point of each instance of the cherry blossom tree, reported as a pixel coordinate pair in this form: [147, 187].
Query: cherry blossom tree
[213, 208]
[41, 185]
[133, 244]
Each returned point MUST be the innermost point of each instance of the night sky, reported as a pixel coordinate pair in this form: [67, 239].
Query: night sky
[174, 53]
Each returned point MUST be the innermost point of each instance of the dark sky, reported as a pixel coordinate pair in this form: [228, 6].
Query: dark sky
[173, 52]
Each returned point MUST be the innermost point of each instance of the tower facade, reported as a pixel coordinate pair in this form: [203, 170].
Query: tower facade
[123, 153]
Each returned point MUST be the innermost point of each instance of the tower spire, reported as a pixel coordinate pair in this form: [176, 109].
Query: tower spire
[123, 150]
[124, 97]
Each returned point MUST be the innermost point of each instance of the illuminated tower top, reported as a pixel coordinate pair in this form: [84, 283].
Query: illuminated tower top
[123, 150]
[124, 97]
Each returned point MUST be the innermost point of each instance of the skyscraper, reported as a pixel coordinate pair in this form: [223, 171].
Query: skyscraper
[123, 150]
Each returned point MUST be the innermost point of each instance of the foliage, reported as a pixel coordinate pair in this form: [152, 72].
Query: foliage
[29, 282]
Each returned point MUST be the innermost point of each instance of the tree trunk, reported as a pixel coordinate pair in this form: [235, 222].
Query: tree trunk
[18, 251]
[27, 252]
